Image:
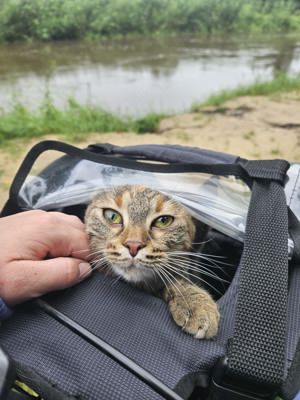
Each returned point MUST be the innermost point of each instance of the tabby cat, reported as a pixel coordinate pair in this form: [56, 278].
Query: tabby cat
[144, 237]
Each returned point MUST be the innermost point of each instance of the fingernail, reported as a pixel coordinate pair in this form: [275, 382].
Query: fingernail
[85, 270]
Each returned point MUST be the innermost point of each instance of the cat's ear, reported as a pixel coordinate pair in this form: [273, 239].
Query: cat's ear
[200, 233]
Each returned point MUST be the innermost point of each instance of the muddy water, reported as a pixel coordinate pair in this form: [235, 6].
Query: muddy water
[134, 77]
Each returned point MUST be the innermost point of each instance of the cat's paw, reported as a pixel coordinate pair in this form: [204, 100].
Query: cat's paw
[198, 315]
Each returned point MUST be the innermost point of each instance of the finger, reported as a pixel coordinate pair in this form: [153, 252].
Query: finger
[68, 236]
[69, 219]
[35, 235]
[34, 216]
[69, 243]
[24, 280]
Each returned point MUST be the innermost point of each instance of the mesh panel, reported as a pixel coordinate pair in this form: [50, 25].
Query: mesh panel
[134, 322]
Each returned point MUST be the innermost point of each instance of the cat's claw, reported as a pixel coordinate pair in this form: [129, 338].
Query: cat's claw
[208, 328]
[204, 321]
[197, 315]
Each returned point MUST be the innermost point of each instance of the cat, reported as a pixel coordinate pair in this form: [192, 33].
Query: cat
[142, 236]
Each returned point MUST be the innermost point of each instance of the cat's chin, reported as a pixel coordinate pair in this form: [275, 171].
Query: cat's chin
[135, 273]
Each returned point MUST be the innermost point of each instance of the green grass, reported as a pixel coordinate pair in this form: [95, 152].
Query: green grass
[77, 19]
[280, 84]
[73, 123]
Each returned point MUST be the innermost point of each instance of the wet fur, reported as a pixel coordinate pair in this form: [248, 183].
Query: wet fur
[155, 267]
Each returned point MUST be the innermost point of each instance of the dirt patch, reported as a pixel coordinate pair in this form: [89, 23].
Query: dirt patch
[252, 127]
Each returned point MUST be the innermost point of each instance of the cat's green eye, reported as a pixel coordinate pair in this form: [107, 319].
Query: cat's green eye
[163, 222]
[112, 216]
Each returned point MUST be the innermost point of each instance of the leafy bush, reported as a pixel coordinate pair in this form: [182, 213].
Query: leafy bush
[77, 19]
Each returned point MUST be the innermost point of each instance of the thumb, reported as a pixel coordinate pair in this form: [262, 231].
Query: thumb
[60, 273]
[24, 280]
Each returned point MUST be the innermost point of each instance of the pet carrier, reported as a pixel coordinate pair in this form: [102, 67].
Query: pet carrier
[102, 341]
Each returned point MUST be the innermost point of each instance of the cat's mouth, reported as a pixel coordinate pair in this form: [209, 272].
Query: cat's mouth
[135, 264]
[133, 270]
[131, 264]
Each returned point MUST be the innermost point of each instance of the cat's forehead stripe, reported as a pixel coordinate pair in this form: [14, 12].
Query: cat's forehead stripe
[119, 200]
[159, 203]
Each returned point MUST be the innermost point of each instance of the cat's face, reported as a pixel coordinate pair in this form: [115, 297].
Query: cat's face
[134, 229]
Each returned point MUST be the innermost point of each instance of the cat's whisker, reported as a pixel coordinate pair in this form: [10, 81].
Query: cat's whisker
[95, 253]
[198, 264]
[207, 257]
[168, 271]
[209, 275]
[94, 268]
[169, 278]
[95, 257]
[97, 263]
[117, 278]
[204, 241]
[196, 255]
[162, 272]
[202, 256]
[107, 269]
[157, 271]
[98, 249]
[202, 271]
[194, 262]
[212, 275]
[167, 266]
[96, 260]
[212, 255]
[201, 280]
[198, 267]
[175, 270]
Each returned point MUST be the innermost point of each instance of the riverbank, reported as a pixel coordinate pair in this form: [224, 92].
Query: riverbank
[250, 126]
[76, 121]
[73, 19]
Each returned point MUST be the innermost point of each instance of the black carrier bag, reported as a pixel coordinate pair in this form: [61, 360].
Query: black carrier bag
[108, 340]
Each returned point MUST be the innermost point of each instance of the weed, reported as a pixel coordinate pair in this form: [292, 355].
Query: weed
[149, 123]
[183, 136]
[275, 151]
[249, 135]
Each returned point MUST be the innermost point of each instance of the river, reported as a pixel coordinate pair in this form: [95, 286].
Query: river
[133, 77]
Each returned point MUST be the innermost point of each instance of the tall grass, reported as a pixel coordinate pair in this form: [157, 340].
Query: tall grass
[280, 84]
[73, 122]
[77, 19]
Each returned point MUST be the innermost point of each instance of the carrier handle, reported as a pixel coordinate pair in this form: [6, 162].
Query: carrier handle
[222, 168]
[170, 153]
[256, 354]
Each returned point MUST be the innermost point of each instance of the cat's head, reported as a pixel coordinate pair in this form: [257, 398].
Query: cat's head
[134, 230]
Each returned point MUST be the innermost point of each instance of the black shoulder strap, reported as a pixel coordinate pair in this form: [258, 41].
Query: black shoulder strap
[256, 354]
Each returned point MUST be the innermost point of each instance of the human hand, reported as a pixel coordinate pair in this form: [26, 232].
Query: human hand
[40, 252]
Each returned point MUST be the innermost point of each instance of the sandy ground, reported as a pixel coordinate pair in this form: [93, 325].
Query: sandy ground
[252, 127]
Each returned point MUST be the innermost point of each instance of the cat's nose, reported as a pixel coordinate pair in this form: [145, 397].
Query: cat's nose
[134, 246]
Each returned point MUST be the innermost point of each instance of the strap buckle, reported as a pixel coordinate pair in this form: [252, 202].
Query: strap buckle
[223, 387]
